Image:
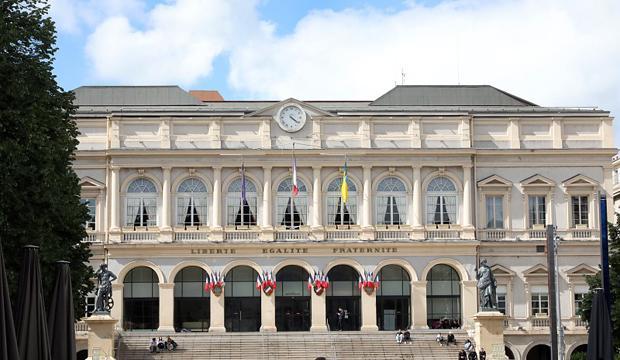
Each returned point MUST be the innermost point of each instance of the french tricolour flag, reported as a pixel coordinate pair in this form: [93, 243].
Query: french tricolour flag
[295, 188]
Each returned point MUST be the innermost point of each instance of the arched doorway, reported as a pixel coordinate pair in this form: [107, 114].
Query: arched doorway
[443, 297]
[292, 299]
[242, 300]
[539, 352]
[578, 351]
[393, 298]
[509, 354]
[141, 299]
[191, 300]
[343, 293]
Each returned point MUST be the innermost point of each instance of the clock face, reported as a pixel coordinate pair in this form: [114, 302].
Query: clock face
[291, 118]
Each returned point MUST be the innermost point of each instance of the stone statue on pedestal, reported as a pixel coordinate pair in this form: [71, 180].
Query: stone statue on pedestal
[486, 287]
[103, 301]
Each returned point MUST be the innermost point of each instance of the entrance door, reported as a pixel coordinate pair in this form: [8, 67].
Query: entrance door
[393, 312]
[351, 321]
[293, 313]
[242, 314]
[242, 300]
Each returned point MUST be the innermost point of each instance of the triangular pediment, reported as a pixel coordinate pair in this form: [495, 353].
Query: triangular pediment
[537, 180]
[502, 271]
[580, 181]
[581, 270]
[494, 181]
[536, 271]
[271, 110]
[88, 183]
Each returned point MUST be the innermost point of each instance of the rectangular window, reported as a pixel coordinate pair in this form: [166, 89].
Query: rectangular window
[91, 204]
[495, 212]
[501, 298]
[537, 210]
[540, 303]
[580, 210]
[578, 303]
[90, 305]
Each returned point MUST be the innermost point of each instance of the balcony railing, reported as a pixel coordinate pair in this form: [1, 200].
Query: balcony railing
[342, 235]
[538, 234]
[241, 235]
[94, 237]
[191, 236]
[580, 323]
[444, 234]
[140, 236]
[80, 326]
[292, 235]
[540, 322]
[396, 234]
[494, 234]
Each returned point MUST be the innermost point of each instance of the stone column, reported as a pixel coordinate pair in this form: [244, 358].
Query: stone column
[467, 196]
[114, 200]
[416, 220]
[316, 197]
[268, 312]
[369, 311]
[319, 321]
[267, 198]
[216, 223]
[165, 202]
[418, 305]
[366, 197]
[469, 293]
[166, 307]
[117, 296]
[217, 312]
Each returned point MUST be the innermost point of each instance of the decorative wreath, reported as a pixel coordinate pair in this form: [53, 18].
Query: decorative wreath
[266, 282]
[369, 282]
[318, 282]
[216, 284]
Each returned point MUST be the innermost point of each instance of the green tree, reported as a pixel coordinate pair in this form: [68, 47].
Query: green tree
[39, 192]
[594, 282]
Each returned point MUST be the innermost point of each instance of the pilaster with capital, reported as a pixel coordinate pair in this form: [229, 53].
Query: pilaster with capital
[317, 220]
[369, 312]
[268, 232]
[468, 229]
[166, 229]
[469, 291]
[216, 224]
[416, 218]
[114, 205]
[418, 305]
[368, 232]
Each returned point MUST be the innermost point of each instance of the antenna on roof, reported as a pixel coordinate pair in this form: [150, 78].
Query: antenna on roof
[402, 76]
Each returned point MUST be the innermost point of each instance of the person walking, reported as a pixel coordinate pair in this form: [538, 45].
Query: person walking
[340, 316]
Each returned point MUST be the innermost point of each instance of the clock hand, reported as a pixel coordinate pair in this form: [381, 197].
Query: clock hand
[292, 118]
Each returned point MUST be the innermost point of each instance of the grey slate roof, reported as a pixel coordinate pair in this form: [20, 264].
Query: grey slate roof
[448, 95]
[133, 96]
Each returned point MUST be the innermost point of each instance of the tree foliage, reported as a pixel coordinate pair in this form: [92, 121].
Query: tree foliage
[594, 282]
[39, 192]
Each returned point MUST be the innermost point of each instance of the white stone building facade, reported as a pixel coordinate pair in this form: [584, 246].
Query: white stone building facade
[439, 178]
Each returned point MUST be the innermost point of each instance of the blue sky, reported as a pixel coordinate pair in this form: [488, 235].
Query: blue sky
[551, 52]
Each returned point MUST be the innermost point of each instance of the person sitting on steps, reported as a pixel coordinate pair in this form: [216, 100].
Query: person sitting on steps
[153, 346]
[440, 339]
[451, 338]
[399, 337]
[171, 345]
[407, 337]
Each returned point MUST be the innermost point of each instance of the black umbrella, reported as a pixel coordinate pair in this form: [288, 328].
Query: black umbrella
[32, 338]
[8, 341]
[60, 319]
[600, 334]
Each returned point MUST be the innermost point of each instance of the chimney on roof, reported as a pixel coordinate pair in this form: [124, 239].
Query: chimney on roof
[206, 95]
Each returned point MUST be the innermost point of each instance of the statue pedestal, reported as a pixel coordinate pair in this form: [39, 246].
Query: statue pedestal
[100, 336]
[489, 333]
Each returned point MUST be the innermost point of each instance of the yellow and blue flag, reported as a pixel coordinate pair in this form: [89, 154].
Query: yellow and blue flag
[344, 187]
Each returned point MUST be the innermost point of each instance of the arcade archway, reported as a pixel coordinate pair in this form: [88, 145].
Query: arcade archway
[539, 352]
[293, 308]
[191, 300]
[393, 298]
[443, 297]
[141, 299]
[242, 310]
[343, 293]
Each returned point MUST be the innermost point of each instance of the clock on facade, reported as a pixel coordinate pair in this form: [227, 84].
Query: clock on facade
[291, 117]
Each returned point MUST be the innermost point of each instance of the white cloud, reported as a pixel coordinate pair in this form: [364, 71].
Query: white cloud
[77, 16]
[177, 43]
[552, 52]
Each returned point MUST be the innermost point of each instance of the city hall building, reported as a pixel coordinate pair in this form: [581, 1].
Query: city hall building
[220, 215]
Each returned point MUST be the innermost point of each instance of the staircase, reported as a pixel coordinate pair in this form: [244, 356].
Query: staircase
[294, 346]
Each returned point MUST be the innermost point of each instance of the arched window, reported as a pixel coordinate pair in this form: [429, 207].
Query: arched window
[192, 203]
[337, 212]
[391, 204]
[242, 308]
[393, 298]
[141, 299]
[441, 201]
[291, 211]
[443, 297]
[239, 211]
[141, 203]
